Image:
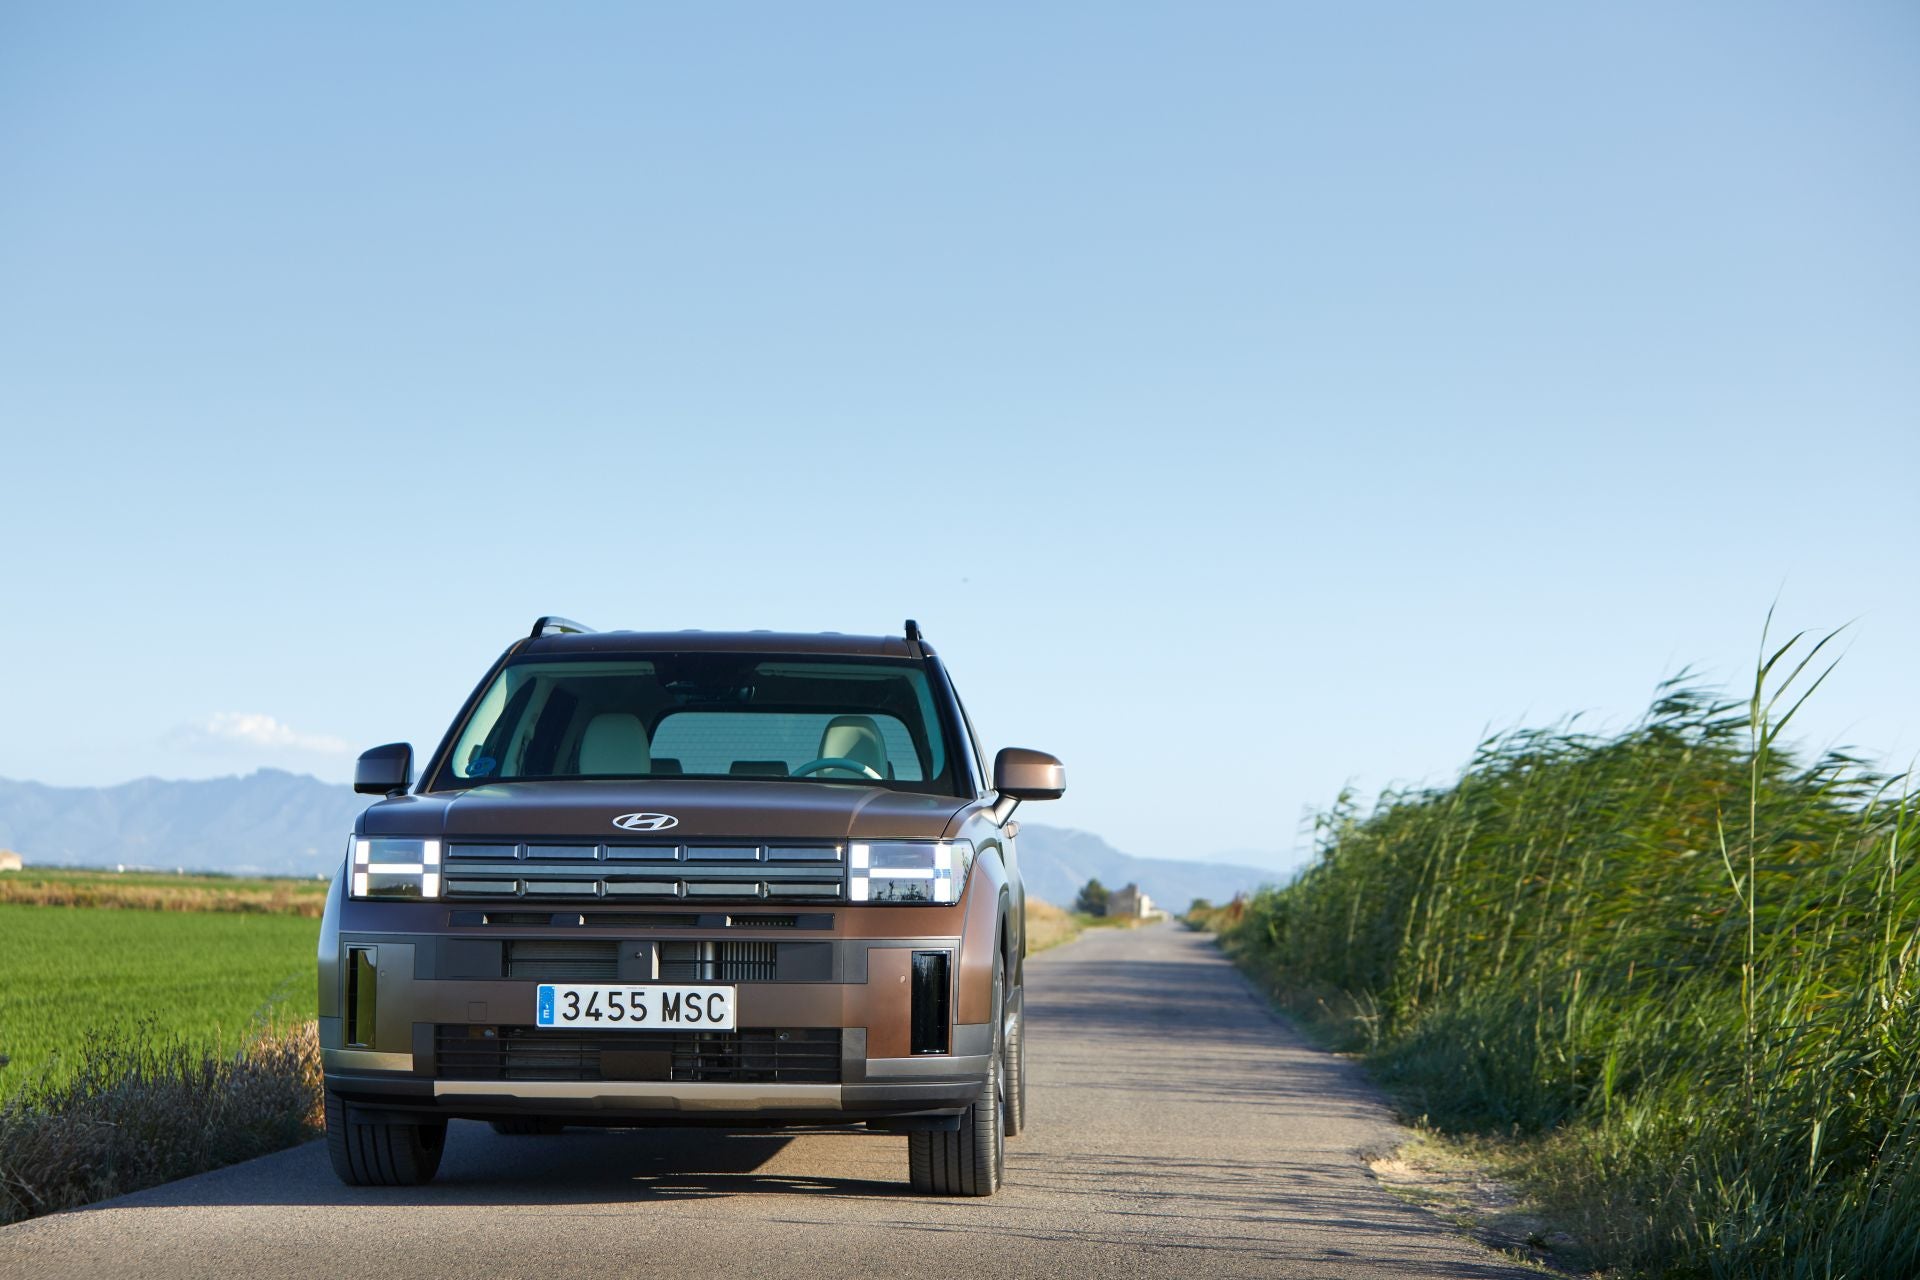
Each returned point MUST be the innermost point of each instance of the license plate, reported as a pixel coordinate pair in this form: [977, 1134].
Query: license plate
[619, 1008]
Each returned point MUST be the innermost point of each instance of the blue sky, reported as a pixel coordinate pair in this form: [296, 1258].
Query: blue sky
[1247, 399]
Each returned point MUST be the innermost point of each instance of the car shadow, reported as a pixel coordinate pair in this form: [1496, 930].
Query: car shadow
[580, 1166]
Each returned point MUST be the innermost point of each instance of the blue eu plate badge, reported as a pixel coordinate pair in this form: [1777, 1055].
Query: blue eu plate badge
[545, 1016]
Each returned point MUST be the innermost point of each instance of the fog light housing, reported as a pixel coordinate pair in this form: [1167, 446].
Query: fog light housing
[908, 871]
[384, 868]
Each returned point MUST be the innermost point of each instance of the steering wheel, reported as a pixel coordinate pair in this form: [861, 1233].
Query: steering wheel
[836, 762]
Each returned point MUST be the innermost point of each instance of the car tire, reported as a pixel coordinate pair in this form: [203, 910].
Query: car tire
[366, 1154]
[526, 1126]
[1016, 1060]
[970, 1160]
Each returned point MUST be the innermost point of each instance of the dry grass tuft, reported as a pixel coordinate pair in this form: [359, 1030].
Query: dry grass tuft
[1216, 919]
[145, 1110]
[1049, 926]
[278, 898]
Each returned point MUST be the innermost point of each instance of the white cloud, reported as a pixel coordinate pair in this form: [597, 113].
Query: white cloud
[257, 731]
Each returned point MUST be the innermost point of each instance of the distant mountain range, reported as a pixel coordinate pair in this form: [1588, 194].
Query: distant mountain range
[266, 823]
[276, 823]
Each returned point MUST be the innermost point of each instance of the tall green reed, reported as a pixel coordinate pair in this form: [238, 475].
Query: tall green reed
[1677, 960]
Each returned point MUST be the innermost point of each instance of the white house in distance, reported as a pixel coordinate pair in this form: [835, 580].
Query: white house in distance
[9, 860]
[1132, 904]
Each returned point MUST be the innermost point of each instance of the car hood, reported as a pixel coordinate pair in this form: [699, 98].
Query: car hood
[704, 809]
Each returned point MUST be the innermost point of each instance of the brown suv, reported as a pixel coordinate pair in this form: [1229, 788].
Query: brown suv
[744, 880]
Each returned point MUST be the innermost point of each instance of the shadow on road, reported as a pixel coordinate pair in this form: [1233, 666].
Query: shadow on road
[581, 1166]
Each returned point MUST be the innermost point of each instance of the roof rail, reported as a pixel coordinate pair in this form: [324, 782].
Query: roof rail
[553, 625]
[913, 639]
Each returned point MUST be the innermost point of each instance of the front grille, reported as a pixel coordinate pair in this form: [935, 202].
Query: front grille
[598, 960]
[564, 959]
[644, 872]
[719, 961]
[800, 1055]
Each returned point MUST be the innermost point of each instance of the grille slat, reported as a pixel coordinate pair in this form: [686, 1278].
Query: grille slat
[535, 886]
[801, 1055]
[466, 919]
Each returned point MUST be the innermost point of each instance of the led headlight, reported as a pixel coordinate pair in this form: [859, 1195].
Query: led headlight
[908, 870]
[396, 868]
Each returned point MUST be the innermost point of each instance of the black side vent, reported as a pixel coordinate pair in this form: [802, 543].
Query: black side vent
[719, 961]
[362, 984]
[564, 959]
[930, 1002]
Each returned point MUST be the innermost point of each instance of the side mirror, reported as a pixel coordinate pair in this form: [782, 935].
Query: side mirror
[1029, 775]
[384, 771]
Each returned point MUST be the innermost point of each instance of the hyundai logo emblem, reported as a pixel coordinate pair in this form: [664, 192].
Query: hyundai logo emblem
[645, 821]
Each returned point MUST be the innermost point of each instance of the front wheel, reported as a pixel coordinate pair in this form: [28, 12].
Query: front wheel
[365, 1154]
[972, 1160]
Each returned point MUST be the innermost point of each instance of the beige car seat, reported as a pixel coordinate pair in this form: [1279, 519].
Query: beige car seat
[856, 738]
[615, 743]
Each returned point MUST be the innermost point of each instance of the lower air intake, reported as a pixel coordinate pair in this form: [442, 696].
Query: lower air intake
[800, 1055]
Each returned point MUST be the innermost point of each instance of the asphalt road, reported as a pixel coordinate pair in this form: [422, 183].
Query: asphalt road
[1177, 1128]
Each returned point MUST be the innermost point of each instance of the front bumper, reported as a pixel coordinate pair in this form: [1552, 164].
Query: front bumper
[658, 1102]
[433, 986]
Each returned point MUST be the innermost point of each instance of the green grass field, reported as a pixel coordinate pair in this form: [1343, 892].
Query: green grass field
[211, 979]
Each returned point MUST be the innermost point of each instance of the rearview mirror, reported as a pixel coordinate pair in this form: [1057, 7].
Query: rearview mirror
[1029, 775]
[384, 771]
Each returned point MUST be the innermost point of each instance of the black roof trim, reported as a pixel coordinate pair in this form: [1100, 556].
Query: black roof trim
[830, 644]
[549, 624]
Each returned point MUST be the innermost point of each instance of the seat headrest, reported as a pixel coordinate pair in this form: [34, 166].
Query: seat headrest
[856, 738]
[615, 742]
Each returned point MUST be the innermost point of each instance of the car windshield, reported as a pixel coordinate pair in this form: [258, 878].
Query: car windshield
[705, 715]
